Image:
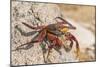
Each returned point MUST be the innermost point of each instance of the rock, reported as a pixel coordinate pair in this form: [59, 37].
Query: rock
[44, 14]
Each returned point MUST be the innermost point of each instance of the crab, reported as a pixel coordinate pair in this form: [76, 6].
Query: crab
[48, 35]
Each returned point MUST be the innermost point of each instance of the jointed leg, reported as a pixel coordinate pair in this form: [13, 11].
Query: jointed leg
[58, 50]
[65, 22]
[77, 46]
[48, 50]
[52, 45]
[24, 33]
[25, 46]
[44, 50]
[39, 38]
[32, 27]
[54, 42]
[44, 57]
[48, 54]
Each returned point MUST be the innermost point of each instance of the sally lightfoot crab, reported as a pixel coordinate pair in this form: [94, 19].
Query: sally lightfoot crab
[49, 36]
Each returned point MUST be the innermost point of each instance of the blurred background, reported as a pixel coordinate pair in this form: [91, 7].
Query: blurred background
[84, 14]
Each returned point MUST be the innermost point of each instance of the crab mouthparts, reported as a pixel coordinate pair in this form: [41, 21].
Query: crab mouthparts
[66, 28]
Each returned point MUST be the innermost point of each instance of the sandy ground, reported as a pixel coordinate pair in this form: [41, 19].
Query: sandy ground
[22, 12]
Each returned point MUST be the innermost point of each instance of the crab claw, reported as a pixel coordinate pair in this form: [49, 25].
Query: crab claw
[72, 38]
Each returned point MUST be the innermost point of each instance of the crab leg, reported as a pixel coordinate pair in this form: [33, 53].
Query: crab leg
[44, 50]
[24, 33]
[38, 39]
[48, 54]
[70, 26]
[54, 39]
[54, 43]
[32, 27]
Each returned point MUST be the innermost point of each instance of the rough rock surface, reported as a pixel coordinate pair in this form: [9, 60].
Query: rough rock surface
[28, 12]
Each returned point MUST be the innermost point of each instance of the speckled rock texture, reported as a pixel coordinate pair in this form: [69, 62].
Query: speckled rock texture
[28, 12]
